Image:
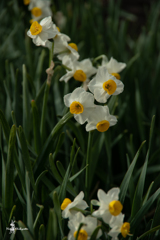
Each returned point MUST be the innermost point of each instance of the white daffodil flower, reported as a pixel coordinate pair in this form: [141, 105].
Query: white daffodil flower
[67, 205]
[90, 223]
[113, 66]
[40, 9]
[103, 85]
[118, 226]
[80, 71]
[58, 39]
[109, 205]
[63, 48]
[81, 103]
[41, 32]
[100, 119]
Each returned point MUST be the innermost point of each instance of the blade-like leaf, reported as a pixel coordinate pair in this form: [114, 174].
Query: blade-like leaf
[137, 201]
[126, 179]
[25, 155]
[10, 169]
[140, 214]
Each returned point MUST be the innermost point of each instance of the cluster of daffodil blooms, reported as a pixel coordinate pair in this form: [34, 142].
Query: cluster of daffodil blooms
[104, 84]
[109, 212]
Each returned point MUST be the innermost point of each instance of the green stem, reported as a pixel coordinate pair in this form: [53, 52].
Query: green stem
[51, 54]
[87, 163]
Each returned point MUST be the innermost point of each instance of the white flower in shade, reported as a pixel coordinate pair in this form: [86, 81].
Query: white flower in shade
[109, 205]
[90, 224]
[41, 32]
[58, 40]
[81, 103]
[118, 226]
[40, 9]
[100, 119]
[103, 85]
[80, 71]
[67, 205]
[63, 48]
[113, 66]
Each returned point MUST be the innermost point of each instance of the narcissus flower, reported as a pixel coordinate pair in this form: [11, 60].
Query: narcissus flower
[41, 32]
[100, 119]
[118, 227]
[90, 223]
[40, 9]
[67, 205]
[113, 66]
[63, 48]
[81, 103]
[59, 40]
[109, 205]
[103, 85]
[80, 71]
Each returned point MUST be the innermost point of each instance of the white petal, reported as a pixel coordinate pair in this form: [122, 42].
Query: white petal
[114, 66]
[114, 193]
[67, 100]
[90, 126]
[87, 99]
[81, 118]
[120, 87]
[30, 35]
[46, 22]
[67, 76]
[76, 94]
[80, 196]
[38, 41]
[100, 95]
[101, 195]
[102, 75]
[112, 120]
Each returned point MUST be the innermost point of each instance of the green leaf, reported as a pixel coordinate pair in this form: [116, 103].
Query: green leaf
[140, 214]
[36, 127]
[52, 226]
[25, 155]
[137, 201]
[148, 193]
[11, 213]
[77, 174]
[151, 132]
[38, 215]
[148, 232]
[39, 69]
[156, 216]
[95, 233]
[57, 209]
[5, 126]
[19, 196]
[126, 179]
[10, 169]
[44, 110]
[25, 232]
[41, 233]
[62, 191]
[45, 150]
[79, 228]
[29, 206]
[26, 102]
